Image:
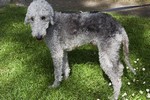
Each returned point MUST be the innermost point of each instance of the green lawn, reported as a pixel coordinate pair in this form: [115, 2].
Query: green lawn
[26, 67]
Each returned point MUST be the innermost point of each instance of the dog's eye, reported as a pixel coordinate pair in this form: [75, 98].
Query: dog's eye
[32, 18]
[43, 18]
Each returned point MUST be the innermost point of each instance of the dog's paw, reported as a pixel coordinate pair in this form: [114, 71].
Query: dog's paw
[54, 85]
[112, 98]
[66, 73]
[66, 77]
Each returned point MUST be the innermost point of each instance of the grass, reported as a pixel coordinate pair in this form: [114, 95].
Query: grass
[26, 67]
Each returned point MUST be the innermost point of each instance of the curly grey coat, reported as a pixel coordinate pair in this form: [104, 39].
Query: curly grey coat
[63, 32]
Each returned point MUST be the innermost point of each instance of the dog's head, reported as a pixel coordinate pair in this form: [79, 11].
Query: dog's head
[39, 15]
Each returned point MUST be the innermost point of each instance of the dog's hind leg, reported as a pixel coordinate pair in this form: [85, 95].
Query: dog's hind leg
[66, 69]
[112, 49]
[109, 66]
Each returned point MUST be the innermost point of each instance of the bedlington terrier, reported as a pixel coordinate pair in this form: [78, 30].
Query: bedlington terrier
[63, 32]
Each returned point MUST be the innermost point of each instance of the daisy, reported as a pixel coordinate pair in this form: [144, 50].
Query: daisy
[143, 69]
[144, 82]
[134, 80]
[135, 62]
[109, 84]
[133, 94]
[147, 90]
[128, 83]
[141, 92]
[125, 94]
[148, 95]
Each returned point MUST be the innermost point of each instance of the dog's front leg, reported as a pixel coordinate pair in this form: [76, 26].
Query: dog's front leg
[66, 69]
[57, 57]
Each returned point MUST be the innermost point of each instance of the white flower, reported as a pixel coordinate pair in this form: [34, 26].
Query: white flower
[147, 90]
[134, 69]
[141, 92]
[144, 82]
[110, 84]
[135, 62]
[98, 99]
[125, 94]
[126, 99]
[133, 94]
[128, 83]
[148, 95]
[143, 69]
[133, 80]
[127, 67]
[137, 59]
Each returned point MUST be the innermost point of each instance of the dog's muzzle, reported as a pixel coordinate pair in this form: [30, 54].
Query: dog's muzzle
[39, 37]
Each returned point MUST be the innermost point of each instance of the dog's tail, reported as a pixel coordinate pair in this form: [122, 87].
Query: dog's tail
[125, 42]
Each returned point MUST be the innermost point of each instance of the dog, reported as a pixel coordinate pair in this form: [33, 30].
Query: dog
[64, 32]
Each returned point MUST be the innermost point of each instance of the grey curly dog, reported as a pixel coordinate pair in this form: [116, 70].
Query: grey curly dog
[63, 32]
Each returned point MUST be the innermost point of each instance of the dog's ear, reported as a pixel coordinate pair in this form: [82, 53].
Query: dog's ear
[51, 14]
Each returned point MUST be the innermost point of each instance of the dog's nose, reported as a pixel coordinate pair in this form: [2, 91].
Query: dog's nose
[39, 37]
